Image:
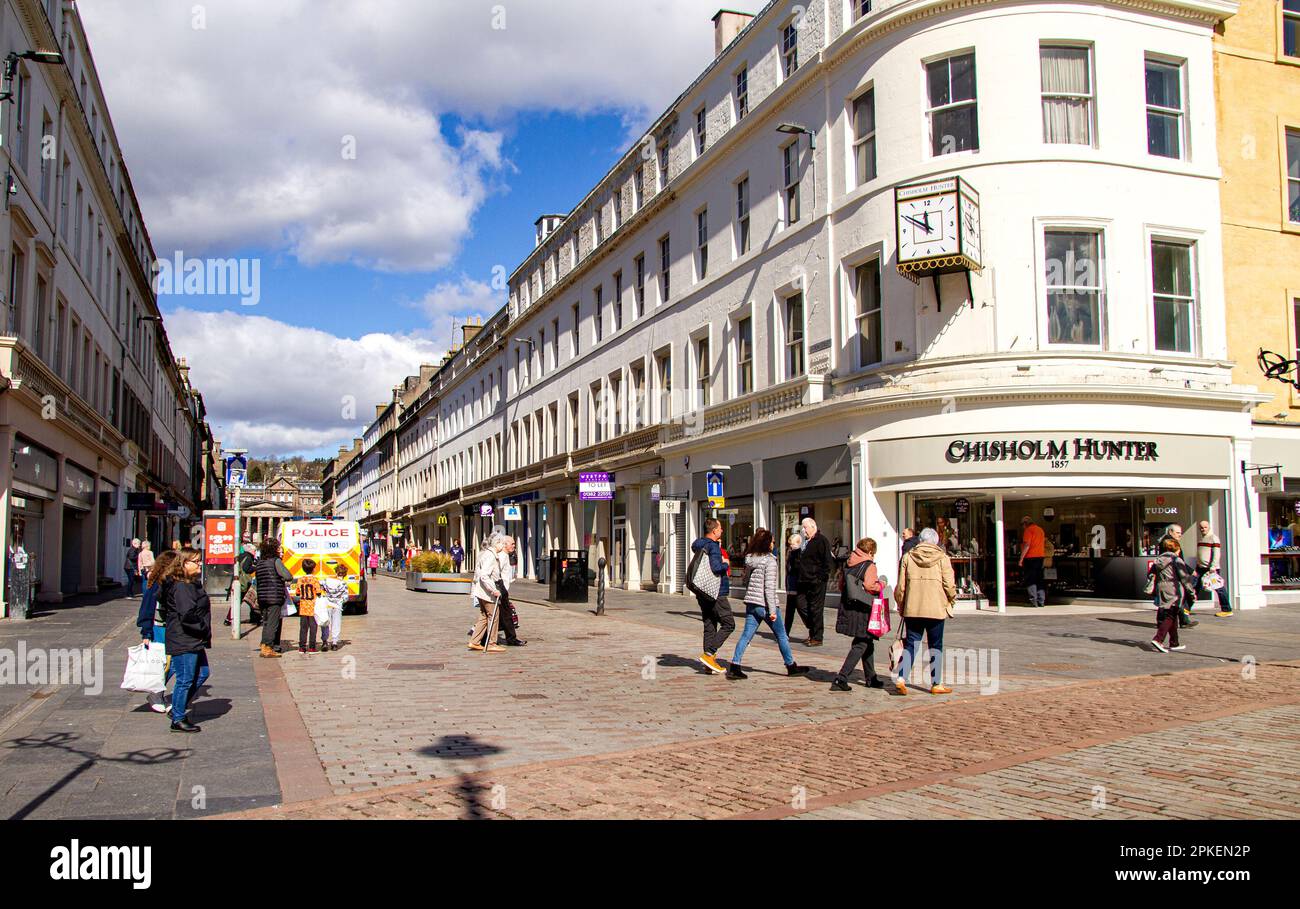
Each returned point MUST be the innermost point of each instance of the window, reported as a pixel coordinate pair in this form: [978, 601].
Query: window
[864, 136]
[1066, 74]
[954, 121]
[703, 374]
[555, 343]
[617, 208]
[866, 289]
[665, 259]
[638, 414]
[1072, 259]
[701, 134]
[1291, 28]
[17, 278]
[860, 8]
[1164, 109]
[576, 341]
[616, 399]
[76, 253]
[596, 415]
[40, 329]
[744, 356]
[60, 329]
[618, 301]
[790, 180]
[64, 180]
[46, 164]
[573, 422]
[638, 290]
[701, 244]
[790, 48]
[598, 320]
[794, 355]
[663, 166]
[21, 102]
[742, 217]
[664, 374]
[1174, 299]
[598, 227]
[638, 188]
[742, 94]
[1293, 174]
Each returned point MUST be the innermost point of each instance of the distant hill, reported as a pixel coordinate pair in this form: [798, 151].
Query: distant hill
[260, 470]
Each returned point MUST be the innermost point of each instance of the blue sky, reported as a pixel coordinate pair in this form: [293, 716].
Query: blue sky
[375, 174]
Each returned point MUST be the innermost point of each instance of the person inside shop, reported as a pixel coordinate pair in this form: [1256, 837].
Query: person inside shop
[1032, 553]
[815, 570]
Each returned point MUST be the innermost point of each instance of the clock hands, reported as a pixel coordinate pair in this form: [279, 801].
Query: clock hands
[924, 225]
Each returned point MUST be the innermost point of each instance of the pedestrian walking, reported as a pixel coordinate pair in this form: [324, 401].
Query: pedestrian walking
[132, 567]
[761, 604]
[854, 617]
[149, 620]
[926, 592]
[910, 539]
[188, 615]
[505, 608]
[486, 595]
[1033, 551]
[1208, 550]
[330, 606]
[244, 571]
[272, 578]
[145, 560]
[306, 591]
[708, 572]
[794, 602]
[1174, 581]
[1175, 532]
[815, 571]
[457, 556]
[374, 562]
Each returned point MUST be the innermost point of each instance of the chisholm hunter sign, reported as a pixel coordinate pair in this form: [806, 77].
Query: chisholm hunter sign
[961, 451]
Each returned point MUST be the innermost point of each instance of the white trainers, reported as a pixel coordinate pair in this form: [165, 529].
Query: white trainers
[1179, 647]
[1158, 646]
[158, 702]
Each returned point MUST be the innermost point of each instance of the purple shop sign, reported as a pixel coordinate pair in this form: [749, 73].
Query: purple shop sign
[595, 487]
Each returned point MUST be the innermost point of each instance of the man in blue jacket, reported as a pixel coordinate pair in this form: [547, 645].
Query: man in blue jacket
[716, 612]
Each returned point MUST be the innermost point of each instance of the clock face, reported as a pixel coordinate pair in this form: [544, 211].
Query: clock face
[928, 227]
[970, 229]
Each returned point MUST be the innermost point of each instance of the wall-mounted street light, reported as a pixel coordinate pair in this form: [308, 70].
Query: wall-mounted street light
[795, 129]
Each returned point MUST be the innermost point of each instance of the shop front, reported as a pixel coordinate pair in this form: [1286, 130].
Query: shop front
[1278, 459]
[1103, 500]
[815, 484]
[35, 488]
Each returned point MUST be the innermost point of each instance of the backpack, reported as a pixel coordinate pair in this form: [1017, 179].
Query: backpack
[700, 579]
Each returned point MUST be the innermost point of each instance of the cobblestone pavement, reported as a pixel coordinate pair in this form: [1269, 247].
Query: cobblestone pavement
[614, 718]
[1204, 743]
[405, 700]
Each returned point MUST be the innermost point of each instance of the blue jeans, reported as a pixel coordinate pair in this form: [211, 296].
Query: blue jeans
[160, 637]
[755, 615]
[933, 631]
[191, 672]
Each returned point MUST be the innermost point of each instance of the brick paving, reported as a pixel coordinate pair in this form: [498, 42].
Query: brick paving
[613, 719]
[582, 686]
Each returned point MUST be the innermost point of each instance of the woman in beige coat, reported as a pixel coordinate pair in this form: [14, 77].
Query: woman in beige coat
[926, 591]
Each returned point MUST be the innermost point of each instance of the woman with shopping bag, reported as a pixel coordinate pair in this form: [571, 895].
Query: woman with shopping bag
[187, 612]
[149, 621]
[926, 593]
[863, 615]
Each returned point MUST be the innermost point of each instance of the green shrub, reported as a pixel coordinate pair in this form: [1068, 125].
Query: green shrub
[432, 563]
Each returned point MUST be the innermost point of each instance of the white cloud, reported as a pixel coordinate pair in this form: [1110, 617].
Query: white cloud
[279, 389]
[458, 300]
[234, 133]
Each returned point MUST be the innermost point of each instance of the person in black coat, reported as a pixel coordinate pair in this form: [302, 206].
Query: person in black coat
[187, 612]
[271, 576]
[814, 572]
[794, 601]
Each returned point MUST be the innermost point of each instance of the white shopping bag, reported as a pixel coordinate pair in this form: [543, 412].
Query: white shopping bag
[146, 666]
[290, 609]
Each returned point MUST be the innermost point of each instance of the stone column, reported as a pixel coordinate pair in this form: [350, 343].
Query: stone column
[52, 576]
[6, 496]
[90, 544]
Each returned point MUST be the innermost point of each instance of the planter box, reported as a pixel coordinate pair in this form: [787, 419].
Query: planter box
[428, 582]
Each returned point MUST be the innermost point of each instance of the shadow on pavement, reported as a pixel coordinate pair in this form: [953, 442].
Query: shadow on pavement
[467, 747]
[63, 741]
[674, 661]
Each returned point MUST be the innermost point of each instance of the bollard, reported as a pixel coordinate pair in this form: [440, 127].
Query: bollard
[600, 587]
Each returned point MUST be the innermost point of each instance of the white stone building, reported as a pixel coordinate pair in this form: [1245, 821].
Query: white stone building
[93, 403]
[730, 295]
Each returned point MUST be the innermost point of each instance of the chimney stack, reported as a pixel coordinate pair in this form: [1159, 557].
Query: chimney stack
[470, 329]
[727, 24]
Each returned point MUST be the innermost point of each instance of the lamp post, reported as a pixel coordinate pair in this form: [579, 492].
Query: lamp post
[234, 454]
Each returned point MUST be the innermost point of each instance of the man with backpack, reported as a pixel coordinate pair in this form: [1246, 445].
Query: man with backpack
[707, 579]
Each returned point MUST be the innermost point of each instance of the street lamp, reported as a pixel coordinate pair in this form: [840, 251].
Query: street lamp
[796, 129]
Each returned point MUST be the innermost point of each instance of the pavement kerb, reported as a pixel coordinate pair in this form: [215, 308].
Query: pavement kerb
[1009, 697]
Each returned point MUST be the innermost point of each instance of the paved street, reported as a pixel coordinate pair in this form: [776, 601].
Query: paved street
[613, 717]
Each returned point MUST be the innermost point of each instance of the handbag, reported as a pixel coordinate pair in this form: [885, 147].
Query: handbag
[1211, 581]
[146, 668]
[700, 579]
[896, 649]
[878, 624]
[1150, 588]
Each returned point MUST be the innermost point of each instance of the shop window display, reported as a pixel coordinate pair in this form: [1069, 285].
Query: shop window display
[1282, 560]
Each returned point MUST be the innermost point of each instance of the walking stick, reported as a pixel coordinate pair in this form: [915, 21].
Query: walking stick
[489, 637]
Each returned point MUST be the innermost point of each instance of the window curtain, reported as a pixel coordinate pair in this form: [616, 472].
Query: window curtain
[1065, 71]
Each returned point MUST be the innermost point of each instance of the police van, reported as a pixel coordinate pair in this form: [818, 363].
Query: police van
[328, 543]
